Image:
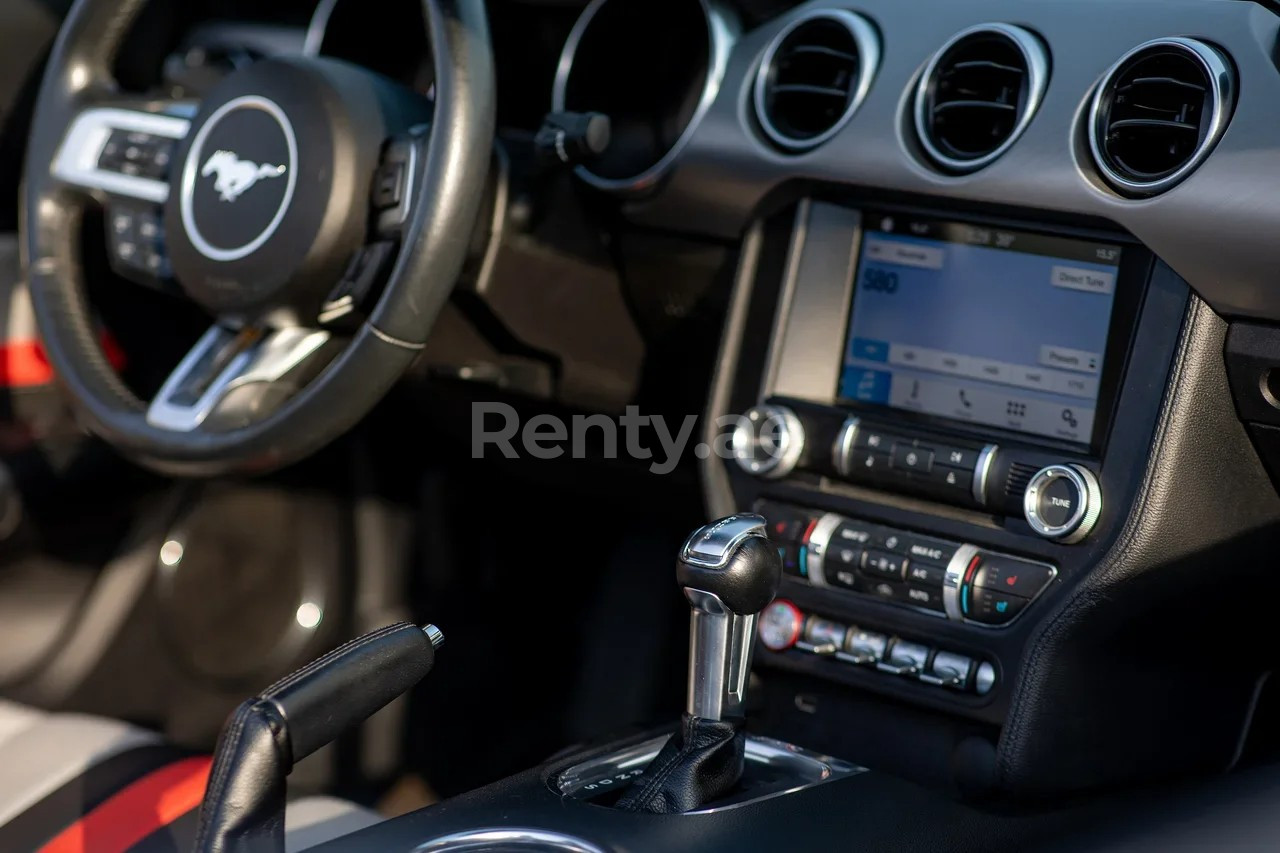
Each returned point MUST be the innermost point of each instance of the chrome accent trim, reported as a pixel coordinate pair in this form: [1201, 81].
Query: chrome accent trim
[845, 441]
[790, 442]
[982, 472]
[1221, 79]
[395, 342]
[723, 30]
[77, 159]
[819, 540]
[265, 360]
[1037, 59]
[1087, 510]
[951, 581]
[720, 647]
[801, 767]
[711, 545]
[317, 26]
[954, 579]
[790, 280]
[868, 43]
[534, 840]
[434, 634]
[985, 678]
[191, 170]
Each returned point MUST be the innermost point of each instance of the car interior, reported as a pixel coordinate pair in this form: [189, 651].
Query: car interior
[599, 426]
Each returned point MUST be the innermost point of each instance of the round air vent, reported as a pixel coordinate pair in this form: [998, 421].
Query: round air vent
[1158, 113]
[978, 93]
[813, 76]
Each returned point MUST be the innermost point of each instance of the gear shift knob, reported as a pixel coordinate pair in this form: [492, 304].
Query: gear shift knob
[729, 572]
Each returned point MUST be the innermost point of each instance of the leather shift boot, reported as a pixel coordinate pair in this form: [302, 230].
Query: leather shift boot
[700, 763]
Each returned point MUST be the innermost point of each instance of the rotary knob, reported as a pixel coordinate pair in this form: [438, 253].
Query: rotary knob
[1063, 502]
[768, 441]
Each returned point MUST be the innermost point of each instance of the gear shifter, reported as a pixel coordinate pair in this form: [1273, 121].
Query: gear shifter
[729, 572]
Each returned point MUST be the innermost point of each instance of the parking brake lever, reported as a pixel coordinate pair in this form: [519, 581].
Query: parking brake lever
[243, 807]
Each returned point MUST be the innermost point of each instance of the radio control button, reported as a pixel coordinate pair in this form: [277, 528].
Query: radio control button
[768, 441]
[875, 440]
[993, 608]
[1013, 577]
[957, 457]
[868, 463]
[957, 479]
[1063, 502]
[917, 460]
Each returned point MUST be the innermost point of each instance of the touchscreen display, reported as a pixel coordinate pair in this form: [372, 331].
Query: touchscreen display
[986, 325]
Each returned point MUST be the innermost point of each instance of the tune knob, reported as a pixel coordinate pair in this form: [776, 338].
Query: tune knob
[1063, 502]
[768, 441]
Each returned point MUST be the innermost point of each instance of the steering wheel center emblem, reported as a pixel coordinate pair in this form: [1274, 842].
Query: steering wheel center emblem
[236, 175]
[246, 144]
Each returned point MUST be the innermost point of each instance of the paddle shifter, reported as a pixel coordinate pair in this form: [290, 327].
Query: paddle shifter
[729, 572]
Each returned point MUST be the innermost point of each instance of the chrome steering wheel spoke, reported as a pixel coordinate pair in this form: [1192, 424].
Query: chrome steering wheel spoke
[231, 377]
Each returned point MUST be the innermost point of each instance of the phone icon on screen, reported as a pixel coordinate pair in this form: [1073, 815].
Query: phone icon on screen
[965, 400]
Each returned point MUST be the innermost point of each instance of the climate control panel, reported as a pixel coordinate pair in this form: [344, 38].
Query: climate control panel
[948, 579]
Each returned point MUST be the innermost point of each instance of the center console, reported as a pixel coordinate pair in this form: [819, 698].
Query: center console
[939, 413]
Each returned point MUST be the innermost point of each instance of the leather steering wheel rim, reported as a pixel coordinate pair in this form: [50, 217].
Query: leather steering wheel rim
[447, 192]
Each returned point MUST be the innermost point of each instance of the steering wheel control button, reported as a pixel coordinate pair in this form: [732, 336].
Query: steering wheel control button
[768, 441]
[1063, 502]
[135, 240]
[780, 625]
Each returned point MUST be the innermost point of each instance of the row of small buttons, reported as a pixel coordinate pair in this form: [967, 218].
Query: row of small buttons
[961, 582]
[890, 564]
[864, 452]
[135, 238]
[137, 154]
[784, 626]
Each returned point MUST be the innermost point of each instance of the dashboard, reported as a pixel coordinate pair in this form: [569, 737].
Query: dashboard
[997, 358]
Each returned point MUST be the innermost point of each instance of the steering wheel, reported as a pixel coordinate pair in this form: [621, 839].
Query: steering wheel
[319, 212]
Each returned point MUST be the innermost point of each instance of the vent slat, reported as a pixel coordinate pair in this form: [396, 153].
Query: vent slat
[1152, 124]
[807, 89]
[974, 105]
[822, 50]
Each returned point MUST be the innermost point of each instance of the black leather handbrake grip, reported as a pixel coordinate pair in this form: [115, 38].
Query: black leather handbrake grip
[243, 807]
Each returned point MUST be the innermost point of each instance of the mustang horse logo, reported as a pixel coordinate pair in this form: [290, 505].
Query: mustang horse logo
[236, 175]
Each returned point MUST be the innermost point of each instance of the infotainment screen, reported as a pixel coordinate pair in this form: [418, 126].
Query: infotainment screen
[986, 325]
